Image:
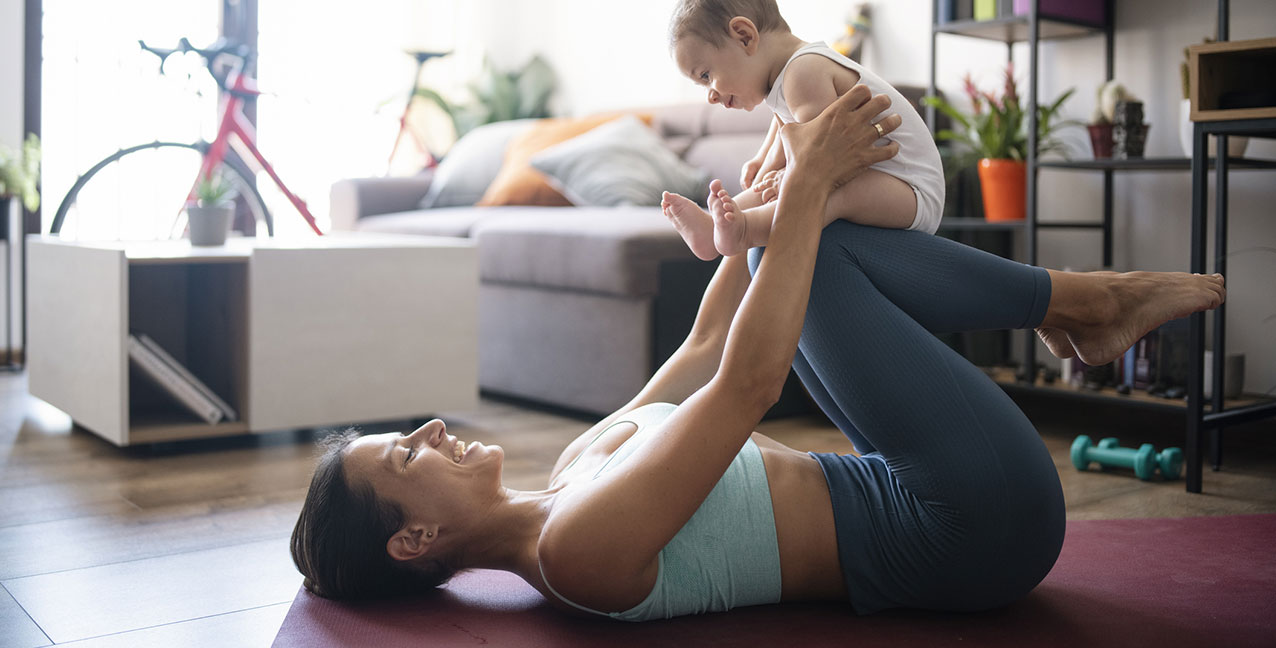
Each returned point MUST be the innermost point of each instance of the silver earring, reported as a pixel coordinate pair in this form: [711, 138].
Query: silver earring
[429, 534]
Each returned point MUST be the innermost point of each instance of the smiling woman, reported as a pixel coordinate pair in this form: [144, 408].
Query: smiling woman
[366, 569]
[673, 505]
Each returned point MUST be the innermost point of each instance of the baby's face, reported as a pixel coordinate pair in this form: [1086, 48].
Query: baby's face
[733, 77]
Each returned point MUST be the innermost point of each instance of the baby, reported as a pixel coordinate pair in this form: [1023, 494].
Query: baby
[744, 53]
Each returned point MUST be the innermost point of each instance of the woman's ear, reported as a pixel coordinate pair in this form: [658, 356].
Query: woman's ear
[744, 32]
[412, 541]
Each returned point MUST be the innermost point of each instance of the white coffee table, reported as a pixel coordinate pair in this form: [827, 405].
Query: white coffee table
[315, 332]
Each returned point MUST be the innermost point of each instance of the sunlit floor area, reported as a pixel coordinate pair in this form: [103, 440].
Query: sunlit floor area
[187, 543]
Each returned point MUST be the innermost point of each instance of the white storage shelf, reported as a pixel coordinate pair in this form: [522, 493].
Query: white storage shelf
[333, 331]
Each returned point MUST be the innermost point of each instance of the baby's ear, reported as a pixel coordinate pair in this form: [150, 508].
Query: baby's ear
[744, 32]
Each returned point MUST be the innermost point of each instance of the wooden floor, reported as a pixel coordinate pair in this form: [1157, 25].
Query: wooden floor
[186, 544]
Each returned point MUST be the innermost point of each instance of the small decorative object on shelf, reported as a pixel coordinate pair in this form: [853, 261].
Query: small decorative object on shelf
[1085, 11]
[997, 134]
[1100, 126]
[858, 27]
[211, 216]
[1129, 133]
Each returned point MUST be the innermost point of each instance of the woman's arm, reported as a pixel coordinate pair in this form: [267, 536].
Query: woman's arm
[694, 362]
[615, 528]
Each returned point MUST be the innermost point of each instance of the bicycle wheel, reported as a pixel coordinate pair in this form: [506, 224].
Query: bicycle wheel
[140, 192]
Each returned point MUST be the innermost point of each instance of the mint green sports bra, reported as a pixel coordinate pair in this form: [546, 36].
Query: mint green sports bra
[725, 556]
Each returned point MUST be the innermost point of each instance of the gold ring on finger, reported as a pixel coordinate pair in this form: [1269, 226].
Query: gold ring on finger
[880, 132]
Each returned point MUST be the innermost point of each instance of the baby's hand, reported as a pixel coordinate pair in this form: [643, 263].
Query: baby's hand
[769, 185]
[750, 171]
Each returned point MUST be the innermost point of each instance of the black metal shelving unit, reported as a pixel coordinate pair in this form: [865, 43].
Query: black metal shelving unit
[1033, 28]
[1199, 420]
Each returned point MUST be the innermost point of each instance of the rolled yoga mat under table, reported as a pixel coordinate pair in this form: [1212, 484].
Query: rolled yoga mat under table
[1158, 582]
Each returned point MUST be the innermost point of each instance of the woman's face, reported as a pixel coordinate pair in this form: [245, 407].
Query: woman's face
[433, 476]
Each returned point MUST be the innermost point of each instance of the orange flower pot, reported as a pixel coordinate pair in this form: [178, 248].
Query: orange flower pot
[1003, 184]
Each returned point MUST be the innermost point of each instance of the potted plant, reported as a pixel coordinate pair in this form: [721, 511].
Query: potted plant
[1100, 125]
[500, 95]
[211, 215]
[996, 133]
[20, 173]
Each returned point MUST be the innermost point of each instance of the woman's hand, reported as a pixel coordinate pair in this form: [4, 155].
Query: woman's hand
[836, 146]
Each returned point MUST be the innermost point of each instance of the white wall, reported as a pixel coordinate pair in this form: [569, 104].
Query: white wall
[617, 57]
[11, 28]
[611, 55]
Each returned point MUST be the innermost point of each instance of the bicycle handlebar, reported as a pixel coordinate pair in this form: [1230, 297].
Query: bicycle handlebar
[218, 48]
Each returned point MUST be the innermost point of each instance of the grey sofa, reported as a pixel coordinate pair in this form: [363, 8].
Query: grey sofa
[578, 305]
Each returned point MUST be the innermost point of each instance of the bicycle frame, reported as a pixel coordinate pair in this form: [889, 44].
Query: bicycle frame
[431, 161]
[234, 130]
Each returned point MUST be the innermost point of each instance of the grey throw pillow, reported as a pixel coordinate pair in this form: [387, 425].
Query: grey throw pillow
[464, 174]
[622, 162]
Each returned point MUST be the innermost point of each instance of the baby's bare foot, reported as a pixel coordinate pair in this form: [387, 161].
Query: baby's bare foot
[1131, 304]
[730, 229]
[693, 223]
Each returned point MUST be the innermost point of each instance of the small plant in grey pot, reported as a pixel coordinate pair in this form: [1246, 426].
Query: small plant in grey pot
[211, 215]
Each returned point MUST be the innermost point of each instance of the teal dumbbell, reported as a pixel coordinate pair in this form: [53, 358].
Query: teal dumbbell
[1145, 461]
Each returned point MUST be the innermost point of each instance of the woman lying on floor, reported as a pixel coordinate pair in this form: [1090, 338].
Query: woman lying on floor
[673, 504]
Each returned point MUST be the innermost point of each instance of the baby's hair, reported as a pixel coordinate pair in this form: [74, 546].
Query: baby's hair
[708, 19]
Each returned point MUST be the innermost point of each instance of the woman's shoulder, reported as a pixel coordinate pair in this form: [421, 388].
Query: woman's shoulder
[575, 571]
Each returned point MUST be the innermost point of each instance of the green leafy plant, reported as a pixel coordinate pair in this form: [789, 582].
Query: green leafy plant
[997, 127]
[500, 95]
[20, 172]
[214, 190]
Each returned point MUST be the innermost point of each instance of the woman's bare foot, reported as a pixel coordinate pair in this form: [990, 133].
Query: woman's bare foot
[693, 223]
[730, 229]
[1109, 312]
[1057, 341]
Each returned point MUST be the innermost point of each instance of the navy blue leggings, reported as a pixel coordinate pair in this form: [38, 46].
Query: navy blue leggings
[955, 503]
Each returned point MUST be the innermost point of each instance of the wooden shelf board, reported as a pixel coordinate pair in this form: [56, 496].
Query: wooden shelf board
[1014, 29]
[152, 430]
[979, 224]
[1151, 164]
[1006, 378]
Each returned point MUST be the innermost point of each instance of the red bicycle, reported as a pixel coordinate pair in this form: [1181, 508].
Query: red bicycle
[145, 181]
[406, 129]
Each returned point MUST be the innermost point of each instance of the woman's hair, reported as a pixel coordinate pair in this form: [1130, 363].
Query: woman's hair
[708, 19]
[339, 542]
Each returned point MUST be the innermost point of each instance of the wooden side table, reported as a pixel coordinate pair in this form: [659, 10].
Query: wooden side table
[327, 332]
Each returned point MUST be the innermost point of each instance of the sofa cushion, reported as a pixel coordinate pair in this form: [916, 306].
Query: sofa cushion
[517, 183]
[443, 221]
[622, 162]
[607, 250]
[472, 163]
[722, 156]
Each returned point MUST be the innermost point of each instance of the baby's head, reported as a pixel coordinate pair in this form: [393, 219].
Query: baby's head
[716, 44]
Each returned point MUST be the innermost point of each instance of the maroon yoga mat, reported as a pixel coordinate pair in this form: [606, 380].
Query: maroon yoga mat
[1160, 583]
